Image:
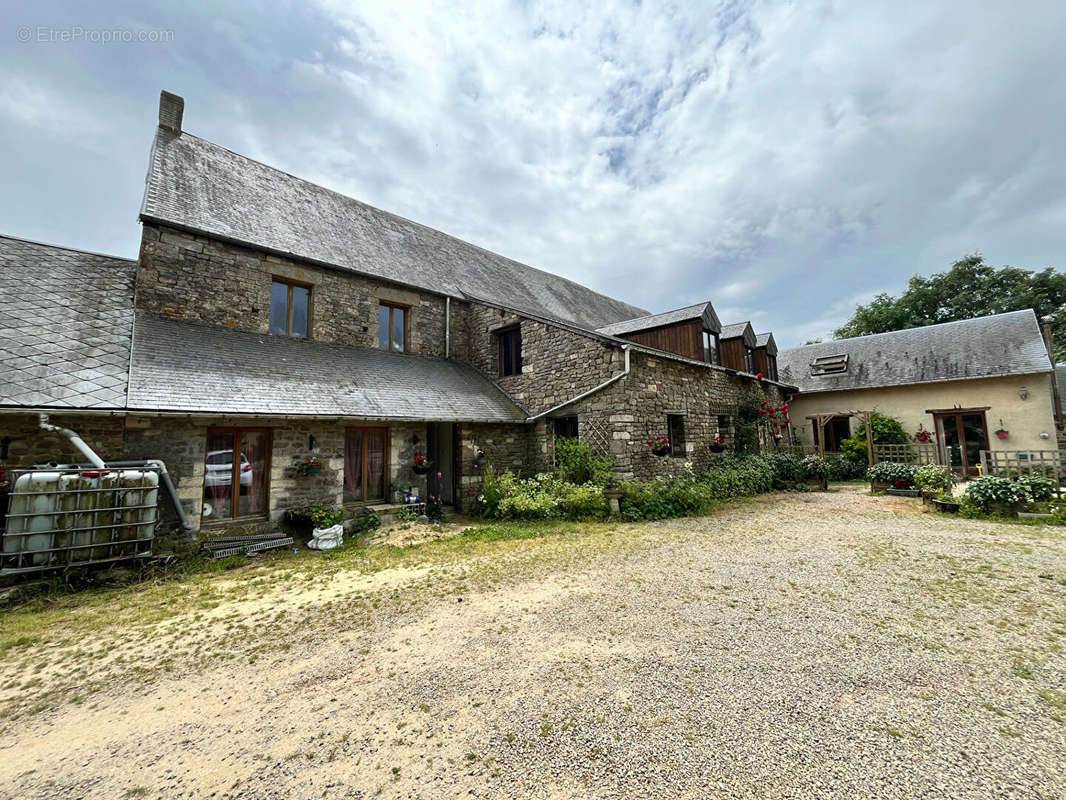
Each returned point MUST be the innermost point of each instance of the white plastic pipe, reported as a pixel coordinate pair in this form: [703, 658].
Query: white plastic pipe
[75, 440]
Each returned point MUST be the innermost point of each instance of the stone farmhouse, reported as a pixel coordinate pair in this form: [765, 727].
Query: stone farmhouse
[268, 320]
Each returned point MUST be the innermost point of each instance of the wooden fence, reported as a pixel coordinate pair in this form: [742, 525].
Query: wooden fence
[1010, 463]
[913, 453]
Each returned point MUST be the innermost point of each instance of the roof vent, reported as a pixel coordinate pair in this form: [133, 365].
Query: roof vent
[171, 109]
[830, 365]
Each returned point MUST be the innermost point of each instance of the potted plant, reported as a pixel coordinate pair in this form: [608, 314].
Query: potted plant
[923, 436]
[996, 495]
[1001, 432]
[890, 475]
[933, 481]
[660, 446]
[480, 457]
[421, 466]
[312, 465]
[718, 445]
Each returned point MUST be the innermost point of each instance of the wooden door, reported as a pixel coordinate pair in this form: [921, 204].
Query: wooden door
[962, 435]
[366, 459]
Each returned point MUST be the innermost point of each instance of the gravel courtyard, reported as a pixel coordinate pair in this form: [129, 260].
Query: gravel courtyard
[819, 645]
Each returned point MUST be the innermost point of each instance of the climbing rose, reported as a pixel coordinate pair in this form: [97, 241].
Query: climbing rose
[758, 375]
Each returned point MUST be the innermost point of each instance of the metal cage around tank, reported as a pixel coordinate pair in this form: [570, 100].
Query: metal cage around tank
[67, 516]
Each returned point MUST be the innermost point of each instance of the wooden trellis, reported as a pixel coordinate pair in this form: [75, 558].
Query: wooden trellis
[866, 417]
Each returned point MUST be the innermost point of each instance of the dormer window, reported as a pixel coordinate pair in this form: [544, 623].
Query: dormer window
[710, 347]
[830, 365]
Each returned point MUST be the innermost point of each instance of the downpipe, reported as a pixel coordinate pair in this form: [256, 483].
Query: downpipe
[75, 440]
[592, 391]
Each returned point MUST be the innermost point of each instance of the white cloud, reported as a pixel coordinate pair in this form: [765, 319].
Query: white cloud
[780, 160]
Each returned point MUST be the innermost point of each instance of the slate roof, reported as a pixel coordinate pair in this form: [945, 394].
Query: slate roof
[704, 311]
[738, 330]
[66, 317]
[195, 367]
[766, 340]
[1003, 344]
[200, 186]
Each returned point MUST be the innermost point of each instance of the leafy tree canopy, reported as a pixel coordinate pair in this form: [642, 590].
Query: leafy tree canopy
[971, 288]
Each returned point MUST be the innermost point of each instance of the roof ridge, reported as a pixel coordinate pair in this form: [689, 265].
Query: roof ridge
[54, 246]
[921, 328]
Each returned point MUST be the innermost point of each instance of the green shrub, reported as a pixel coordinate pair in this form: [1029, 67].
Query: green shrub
[1036, 488]
[544, 496]
[788, 469]
[576, 462]
[886, 430]
[842, 468]
[586, 501]
[989, 490]
[746, 429]
[488, 503]
[369, 521]
[891, 472]
[934, 478]
[815, 467]
[317, 515]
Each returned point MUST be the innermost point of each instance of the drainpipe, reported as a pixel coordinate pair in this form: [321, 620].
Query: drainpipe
[447, 327]
[75, 440]
[99, 463]
[583, 395]
[1047, 331]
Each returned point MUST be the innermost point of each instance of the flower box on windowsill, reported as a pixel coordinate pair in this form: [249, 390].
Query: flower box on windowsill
[420, 469]
[717, 448]
[661, 452]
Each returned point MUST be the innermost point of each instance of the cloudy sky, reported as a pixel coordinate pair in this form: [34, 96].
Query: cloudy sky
[784, 160]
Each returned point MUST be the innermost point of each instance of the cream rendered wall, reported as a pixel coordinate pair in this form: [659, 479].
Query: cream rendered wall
[1025, 419]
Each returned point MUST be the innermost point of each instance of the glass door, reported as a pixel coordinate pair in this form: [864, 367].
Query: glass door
[963, 436]
[365, 461]
[236, 472]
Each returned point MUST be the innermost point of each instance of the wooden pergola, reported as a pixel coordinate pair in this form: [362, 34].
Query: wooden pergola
[865, 416]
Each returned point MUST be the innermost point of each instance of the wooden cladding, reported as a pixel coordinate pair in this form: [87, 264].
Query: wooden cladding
[684, 338]
[735, 354]
[765, 363]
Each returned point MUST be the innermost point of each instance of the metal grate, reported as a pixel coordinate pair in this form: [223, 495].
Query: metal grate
[60, 517]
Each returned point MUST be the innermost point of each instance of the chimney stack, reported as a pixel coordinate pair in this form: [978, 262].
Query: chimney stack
[171, 109]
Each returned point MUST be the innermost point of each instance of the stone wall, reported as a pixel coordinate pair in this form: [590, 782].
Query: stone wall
[30, 445]
[200, 278]
[622, 418]
[506, 449]
[556, 363]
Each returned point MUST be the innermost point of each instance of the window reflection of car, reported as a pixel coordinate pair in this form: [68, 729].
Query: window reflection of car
[220, 469]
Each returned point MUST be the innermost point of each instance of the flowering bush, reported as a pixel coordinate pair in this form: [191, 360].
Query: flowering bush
[899, 475]
[814, 467]
[991, 490]
[842, 468]
[1036, 488]
[934, 478]
[776, 419]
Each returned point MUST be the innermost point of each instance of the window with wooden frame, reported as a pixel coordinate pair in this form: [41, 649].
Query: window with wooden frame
[565, 427]
[290, 308]
[366, 459]
[749, 360]
[771, 367]
[236, 473]
[392, 327]
[710, 347]
[675, 426]
[510, 351]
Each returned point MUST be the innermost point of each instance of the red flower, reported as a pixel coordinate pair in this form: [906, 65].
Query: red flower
[758, 375]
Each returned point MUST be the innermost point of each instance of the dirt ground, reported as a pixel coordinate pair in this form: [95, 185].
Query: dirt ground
[811, 645]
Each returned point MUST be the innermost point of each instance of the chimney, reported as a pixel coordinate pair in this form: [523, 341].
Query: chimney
[171, 108]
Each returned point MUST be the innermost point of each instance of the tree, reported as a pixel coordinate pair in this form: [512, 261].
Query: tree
[971, 288]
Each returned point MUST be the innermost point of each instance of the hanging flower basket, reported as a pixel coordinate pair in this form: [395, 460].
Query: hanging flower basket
[1002, 434]
[717, 445]
[421, 465]
[310, 466]
[480, 458]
